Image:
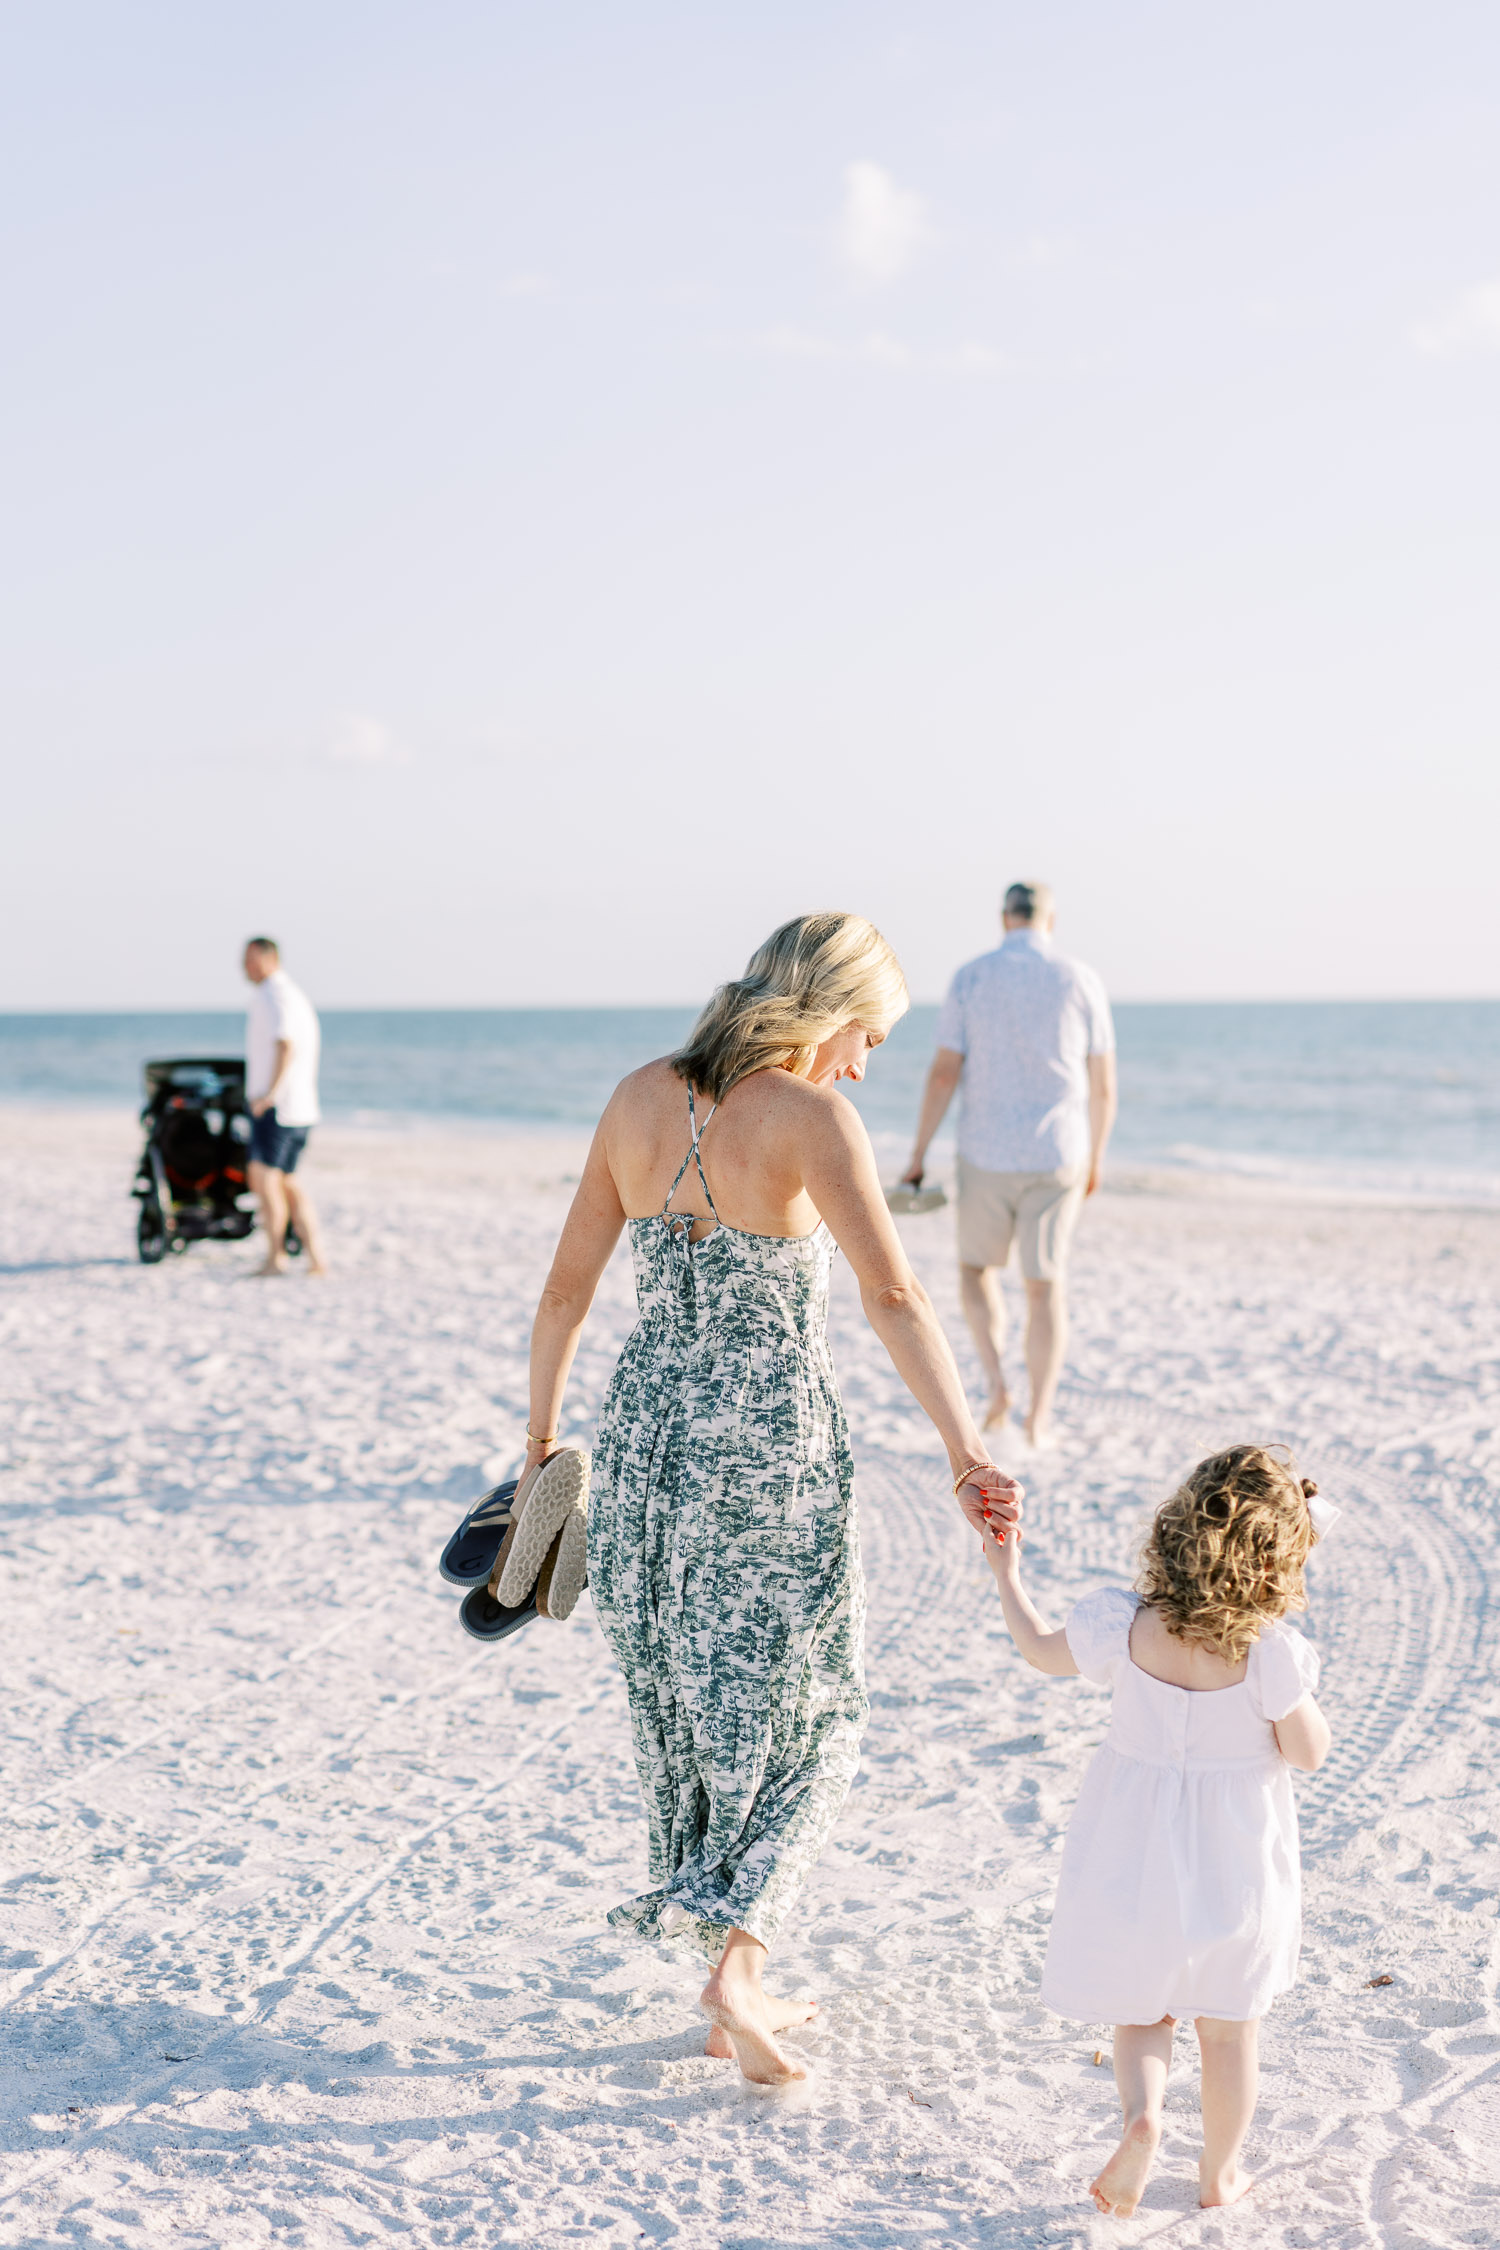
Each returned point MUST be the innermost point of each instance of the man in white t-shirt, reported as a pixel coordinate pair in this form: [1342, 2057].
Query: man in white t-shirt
[1028, 1036]
[282, 1042]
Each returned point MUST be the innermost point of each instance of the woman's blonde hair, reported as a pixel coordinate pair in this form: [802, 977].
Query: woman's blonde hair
[1225, 1553]
[810, 979]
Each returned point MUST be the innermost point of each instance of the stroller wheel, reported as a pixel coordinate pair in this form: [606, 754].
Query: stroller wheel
[292, 1242]
[151, 1233]
[177, 1244]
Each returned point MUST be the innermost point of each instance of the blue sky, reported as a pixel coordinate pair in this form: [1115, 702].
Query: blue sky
[519, 501]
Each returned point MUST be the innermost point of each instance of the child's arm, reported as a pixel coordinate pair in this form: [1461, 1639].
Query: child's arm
[1047, 1650]
[1304, 1736]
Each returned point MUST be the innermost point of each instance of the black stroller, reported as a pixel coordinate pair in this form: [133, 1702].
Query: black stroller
[192, 1178]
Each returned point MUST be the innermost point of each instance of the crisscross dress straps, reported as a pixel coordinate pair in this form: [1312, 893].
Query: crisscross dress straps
[683, 1222]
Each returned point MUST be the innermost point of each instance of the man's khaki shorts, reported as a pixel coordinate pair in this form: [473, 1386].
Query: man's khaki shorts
[1039, 1210]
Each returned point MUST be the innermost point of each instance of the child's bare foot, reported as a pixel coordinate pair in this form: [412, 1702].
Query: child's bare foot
[1120, 2185]
[748, 2027]
[783, 2014]
[1227, 2188]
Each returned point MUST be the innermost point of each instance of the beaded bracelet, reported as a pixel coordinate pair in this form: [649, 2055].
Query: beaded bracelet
[970, 1471]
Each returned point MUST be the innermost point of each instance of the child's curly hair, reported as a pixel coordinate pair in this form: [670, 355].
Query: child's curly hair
[1225, 1553]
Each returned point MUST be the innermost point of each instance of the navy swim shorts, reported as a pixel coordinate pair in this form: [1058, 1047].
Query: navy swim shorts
[276, 1146]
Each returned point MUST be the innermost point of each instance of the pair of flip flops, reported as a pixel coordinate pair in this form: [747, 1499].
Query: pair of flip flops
[908, 1200]
[529, 1539]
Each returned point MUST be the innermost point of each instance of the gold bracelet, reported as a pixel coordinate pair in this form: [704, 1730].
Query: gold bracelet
[531, 1433]
[969, 1471]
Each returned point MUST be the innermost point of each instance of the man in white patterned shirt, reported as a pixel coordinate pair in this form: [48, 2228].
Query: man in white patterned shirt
[1027, 1035]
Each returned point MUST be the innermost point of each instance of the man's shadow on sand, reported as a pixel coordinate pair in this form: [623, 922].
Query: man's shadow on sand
[64, 1265]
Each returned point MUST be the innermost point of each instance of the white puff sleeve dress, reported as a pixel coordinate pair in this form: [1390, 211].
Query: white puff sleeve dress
[1181, 1891]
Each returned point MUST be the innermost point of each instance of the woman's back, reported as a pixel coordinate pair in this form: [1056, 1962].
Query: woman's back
[749, 1152]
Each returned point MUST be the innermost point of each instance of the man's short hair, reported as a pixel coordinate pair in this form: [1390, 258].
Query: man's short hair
[1029, 902]
[263, 945]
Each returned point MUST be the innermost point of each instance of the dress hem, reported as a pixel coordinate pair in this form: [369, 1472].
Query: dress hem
[663, 1918]
[1184, 2011]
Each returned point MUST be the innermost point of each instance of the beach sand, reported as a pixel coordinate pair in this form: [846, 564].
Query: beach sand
[304, 1892]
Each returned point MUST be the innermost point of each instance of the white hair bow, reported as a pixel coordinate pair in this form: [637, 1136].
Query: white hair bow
[1324, 1514]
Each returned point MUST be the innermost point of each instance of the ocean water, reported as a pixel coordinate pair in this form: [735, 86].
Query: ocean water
[1393, 1095]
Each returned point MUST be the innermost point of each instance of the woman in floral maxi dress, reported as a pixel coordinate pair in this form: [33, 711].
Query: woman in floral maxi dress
[723, 1547]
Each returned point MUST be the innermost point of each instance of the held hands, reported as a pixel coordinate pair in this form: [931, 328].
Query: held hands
[1001, 1553]
[991, 1502]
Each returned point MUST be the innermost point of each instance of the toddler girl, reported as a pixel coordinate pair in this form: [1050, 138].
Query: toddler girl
[1180, 1891]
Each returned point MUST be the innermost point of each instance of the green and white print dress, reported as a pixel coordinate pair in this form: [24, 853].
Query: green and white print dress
[724, 1567]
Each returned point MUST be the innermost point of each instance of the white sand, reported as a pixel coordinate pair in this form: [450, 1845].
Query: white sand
[304, 1891]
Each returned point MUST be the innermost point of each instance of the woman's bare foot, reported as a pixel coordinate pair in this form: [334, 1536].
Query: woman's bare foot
[283, 1264]
[1228, 2188]
[1120, 2185]
[745, 2022]
[783, 2014]
[997, 1413]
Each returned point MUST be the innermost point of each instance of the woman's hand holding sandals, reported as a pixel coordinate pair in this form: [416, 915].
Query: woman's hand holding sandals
[540, 1449]
[991, 1501]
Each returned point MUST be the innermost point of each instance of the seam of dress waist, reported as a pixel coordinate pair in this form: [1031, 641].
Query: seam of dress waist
[1263, 1761]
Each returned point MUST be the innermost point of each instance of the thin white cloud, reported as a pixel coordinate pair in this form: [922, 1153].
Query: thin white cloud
[1471, 324]
[883, 350]
[972, 359]
[881, 227]
[798, 343]
[359, 740]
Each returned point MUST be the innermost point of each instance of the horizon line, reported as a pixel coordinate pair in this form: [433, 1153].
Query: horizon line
[607, 1007]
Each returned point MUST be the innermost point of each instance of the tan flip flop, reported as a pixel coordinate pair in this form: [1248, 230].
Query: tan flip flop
[565, 1572]
[553, 1499]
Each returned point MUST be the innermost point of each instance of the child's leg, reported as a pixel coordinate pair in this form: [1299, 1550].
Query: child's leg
[1231, 2081]
[1143, 2056]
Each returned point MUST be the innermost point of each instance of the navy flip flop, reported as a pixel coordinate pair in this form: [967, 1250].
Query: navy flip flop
[488, 1620]
[470, 1554]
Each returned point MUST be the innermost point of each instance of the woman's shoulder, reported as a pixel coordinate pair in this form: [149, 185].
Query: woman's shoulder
[645, 1116]
[780, 1103]
[647, 1090]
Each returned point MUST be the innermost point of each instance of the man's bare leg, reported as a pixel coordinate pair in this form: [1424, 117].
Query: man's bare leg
[736, 2005]
[984, 1310]
[1230, 2055]
[1143, 2056]
[305, 1219]
[269, 1189]
[1046, 1343]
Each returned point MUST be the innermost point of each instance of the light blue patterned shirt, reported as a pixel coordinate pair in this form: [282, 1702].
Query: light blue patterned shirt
[1025, 1020]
